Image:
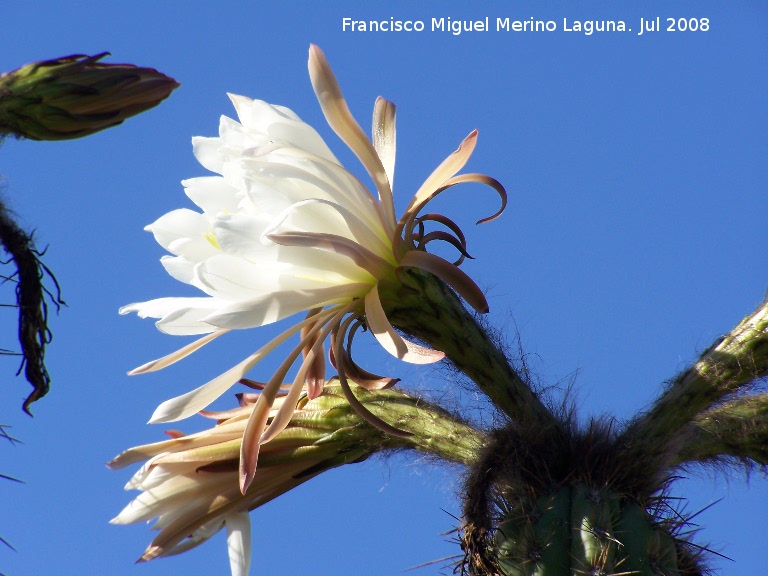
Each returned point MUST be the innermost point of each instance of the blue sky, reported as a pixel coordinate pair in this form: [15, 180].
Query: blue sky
[637, 178]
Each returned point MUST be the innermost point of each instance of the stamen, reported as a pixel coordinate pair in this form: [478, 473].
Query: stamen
[366, 414]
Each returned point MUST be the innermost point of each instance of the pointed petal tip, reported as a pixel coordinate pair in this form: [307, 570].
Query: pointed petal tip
[316, 56]
[239, 543]
[245, 481]
[161, 416]
[249, 448]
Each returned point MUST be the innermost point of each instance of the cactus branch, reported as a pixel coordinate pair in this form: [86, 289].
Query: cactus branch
[734, 363]
[737, 429]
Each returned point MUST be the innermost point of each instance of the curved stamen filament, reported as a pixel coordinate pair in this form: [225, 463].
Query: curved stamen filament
[366, 414]
[440, 219]
[283, 416]
[403, 238]
[255, 429]
[358, 375]
[194, 401]
[179, 354]
[316, 375]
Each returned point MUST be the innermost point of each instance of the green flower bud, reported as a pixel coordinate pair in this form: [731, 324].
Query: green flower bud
[76, 96]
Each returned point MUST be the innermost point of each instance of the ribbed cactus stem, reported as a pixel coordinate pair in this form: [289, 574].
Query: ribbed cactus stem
[581, 529]
[427, 309]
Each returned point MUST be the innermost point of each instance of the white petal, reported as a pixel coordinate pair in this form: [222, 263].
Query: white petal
[240, 234]
[150, 476]
[280, 124]
[178, 316]
[239, 542]
[161, 307]
[170, 495]
[236, 278]
[212, 194]
[180, 224]
[313, 268]
[291, 175]
[278, 305]
[180, 268]
[235, 138]
[243, 106]
[206, 150]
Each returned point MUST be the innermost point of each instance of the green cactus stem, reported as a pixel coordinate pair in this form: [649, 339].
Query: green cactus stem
[582, 530]
[426, 308]
[433, 429]
[732, 364]
[738, 430]
[537, 505]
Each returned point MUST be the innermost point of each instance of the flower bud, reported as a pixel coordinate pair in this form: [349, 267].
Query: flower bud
[190, 482]
[76, 96]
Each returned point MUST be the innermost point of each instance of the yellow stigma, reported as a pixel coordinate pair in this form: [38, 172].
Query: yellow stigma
[211, 237]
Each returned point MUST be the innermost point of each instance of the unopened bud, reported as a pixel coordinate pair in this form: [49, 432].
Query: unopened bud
[76, 96]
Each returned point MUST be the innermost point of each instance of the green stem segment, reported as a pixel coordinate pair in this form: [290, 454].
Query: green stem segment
[583, 530]
[433, 429]
[730, 364]
[426, 308]
[738, 429]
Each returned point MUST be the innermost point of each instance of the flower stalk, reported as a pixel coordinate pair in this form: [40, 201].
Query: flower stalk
[426, 308]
